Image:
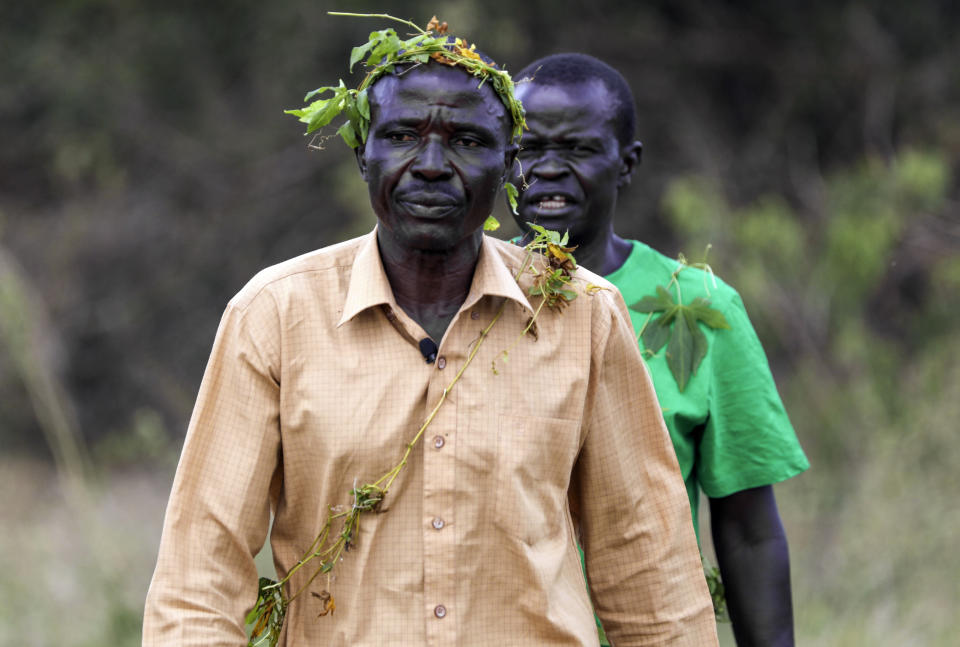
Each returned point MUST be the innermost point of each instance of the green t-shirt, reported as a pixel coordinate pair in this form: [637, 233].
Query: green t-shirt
[728, 426]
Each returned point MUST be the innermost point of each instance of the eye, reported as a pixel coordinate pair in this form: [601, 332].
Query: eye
[400, 137]
[468, 142]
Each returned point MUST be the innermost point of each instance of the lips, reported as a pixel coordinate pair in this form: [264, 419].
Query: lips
[549, 203]
[552, 202]
[430, 205]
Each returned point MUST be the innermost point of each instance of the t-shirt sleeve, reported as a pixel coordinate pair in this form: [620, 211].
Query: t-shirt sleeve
[748, 440]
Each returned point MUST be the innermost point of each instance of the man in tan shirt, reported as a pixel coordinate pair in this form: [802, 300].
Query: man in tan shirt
[318, 381]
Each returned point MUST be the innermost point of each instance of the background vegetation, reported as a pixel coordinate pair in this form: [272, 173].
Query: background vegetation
[147, 172]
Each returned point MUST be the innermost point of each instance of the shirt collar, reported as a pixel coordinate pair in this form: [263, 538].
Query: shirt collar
[493, 277]
[369, 286]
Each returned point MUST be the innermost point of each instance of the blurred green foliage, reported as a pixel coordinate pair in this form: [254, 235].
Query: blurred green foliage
[866, 357]
[147, 172]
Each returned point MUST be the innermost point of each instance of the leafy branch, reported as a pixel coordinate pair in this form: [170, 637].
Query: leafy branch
[384, 50]
[553, 278]
[678, 326]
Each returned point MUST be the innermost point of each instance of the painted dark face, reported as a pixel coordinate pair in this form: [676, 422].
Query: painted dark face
[436, 155]
[571, 158]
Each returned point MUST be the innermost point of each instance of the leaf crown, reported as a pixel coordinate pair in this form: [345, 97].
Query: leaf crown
[383, 51]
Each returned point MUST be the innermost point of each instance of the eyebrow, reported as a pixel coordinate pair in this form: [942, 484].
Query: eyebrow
[569, 136]
[411, 121]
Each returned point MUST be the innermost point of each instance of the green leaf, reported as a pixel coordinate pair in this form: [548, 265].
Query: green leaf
[679, 325]
[512, 195]
[699, 340]
[349, 134]
[537, 228]
[680, 353]
[656, 333]
[710, 316]
[491, 224]
[387, 48]
[359, 52]
[324, 114]
[650, 303]
[363, 104]
[254, 612]
[313, 93]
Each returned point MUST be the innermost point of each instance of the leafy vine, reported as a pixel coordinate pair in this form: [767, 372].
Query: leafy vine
[384, 51]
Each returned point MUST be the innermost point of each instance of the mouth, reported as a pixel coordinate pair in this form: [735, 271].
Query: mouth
[428, 206]
[549, 204]
[552, 203]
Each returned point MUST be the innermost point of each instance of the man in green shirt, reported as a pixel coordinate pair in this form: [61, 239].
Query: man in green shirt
[728, 425]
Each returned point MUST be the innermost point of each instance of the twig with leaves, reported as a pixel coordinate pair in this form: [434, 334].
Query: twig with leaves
[678, 326]
[384, 51]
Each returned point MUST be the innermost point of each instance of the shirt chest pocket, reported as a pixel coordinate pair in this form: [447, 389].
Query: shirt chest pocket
[535, 457]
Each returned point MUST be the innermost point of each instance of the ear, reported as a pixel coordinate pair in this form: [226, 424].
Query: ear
[360, 152]
[630, 156]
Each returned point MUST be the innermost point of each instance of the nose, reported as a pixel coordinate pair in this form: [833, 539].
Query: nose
[432, 163]
[548, 165]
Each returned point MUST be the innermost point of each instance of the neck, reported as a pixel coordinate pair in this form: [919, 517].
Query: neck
[604, 255]
[430, 286]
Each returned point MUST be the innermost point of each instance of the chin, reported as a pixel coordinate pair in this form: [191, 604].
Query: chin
[434, 241]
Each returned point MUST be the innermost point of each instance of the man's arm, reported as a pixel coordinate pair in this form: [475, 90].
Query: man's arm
[751, 548]
[640, 550]
[219, 509]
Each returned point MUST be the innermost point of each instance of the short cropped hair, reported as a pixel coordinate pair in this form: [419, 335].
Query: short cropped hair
[562, 69]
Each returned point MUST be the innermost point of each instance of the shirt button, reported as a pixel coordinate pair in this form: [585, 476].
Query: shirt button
[441, 363]
[474, 315]
[439, 610]
[438, 441]
[438, 523]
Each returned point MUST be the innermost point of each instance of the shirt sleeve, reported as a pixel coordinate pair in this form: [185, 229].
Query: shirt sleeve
[748, 440]
[641, 555]
[219, 509]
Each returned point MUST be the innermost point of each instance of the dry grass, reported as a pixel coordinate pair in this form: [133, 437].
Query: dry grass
[75, 577]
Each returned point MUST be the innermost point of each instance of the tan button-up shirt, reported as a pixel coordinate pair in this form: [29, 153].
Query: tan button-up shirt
[316, 383]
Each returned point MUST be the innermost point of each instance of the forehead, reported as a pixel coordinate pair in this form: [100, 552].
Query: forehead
[427, 88]
[569, 108]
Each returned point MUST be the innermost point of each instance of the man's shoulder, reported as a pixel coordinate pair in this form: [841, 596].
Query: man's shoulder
[655, 268]
[332, 258]
[586, 281]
